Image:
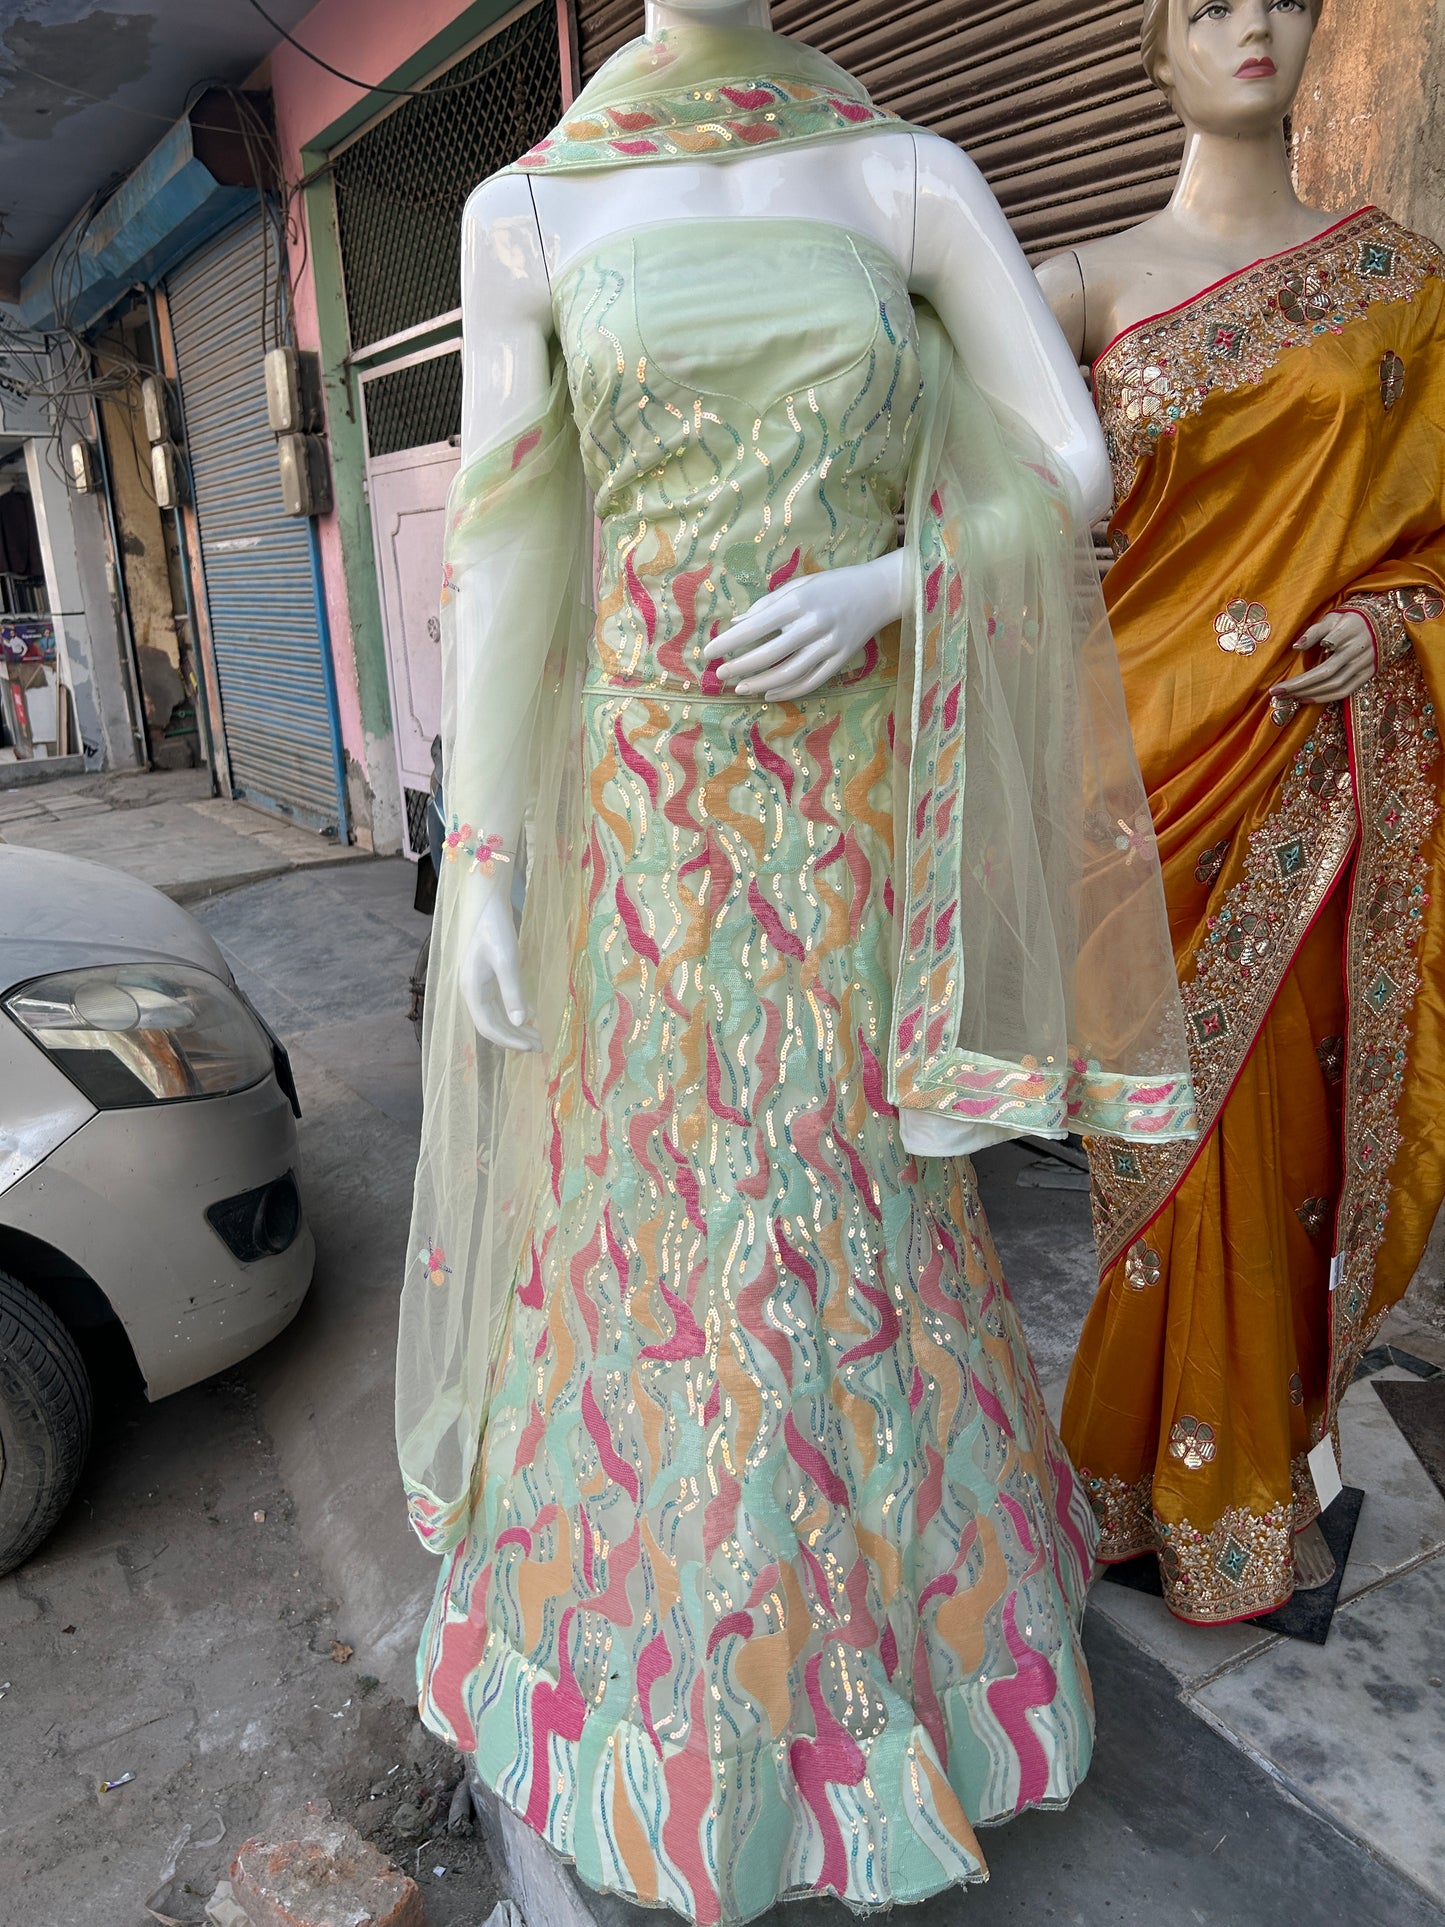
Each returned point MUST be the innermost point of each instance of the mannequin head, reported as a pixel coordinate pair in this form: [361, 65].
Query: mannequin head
[712, 13]
[1229, 66]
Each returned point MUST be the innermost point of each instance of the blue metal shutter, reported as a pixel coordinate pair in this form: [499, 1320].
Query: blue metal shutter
[262, 583]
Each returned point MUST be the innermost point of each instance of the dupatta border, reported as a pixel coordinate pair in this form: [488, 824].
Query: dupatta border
[1231, 336]
[699, 122]
[928, 1070]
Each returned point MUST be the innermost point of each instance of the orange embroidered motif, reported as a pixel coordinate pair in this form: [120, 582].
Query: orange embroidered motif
[1420, 605]
[1313, 1214]
[1242, 627]
[1211, 861]
[1193, 1443]
[1144, 1268]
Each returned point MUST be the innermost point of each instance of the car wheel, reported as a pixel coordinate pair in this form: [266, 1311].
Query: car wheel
[45, 1409]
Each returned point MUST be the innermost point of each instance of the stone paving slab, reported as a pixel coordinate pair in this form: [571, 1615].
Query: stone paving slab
[1357, 1727]
[165, 828]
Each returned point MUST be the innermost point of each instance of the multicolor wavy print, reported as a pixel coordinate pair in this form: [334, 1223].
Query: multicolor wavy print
[775, 1573]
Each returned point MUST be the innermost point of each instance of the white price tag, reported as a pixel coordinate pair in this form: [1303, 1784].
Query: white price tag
[1325, 1471]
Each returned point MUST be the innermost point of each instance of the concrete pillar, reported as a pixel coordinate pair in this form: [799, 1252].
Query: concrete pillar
[1367, 122]
[81, 585]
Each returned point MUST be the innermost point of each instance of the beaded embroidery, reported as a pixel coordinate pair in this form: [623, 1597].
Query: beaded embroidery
[1243, 1566]
[1293, 859]
[1143, 1268]
[1193, 1443]
[1242, 627]
[1230, 337]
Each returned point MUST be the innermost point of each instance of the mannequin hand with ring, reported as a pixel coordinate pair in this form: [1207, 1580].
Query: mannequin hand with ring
[796, 638]
[1348, 643]
[491, 973]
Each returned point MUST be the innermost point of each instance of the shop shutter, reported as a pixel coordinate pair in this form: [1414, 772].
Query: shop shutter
[259, 567]
[1047, 96]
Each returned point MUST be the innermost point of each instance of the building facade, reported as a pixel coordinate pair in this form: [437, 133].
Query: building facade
[298, 655]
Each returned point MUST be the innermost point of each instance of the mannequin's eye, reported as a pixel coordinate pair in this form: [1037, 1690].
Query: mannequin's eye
[1216, 10]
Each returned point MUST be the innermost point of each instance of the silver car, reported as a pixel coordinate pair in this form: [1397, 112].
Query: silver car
[148, 1192]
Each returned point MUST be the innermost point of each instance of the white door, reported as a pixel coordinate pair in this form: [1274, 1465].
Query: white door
[408, 518]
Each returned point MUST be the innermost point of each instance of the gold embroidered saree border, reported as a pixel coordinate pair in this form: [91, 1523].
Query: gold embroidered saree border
[1295, 859]
[1395, 750]
[1232, 335]
[1241, 1567]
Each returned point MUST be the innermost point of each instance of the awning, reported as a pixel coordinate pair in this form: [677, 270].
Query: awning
[197, 180]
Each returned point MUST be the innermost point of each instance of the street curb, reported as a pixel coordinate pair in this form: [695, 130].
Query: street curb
[203, 889]
[43, 769]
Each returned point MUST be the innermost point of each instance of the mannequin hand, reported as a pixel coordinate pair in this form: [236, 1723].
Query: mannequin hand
[1349, 663]
[793, 640]
[492, 980]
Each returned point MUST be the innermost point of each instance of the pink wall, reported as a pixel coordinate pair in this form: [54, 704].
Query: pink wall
[369, 38]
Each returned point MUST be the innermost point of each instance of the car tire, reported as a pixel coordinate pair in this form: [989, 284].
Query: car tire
[45, 1416]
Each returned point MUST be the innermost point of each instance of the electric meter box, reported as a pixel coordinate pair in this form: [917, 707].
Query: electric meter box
[293, 391]
[157, 401]
[305, 474]
[168, 475]
[85, 468]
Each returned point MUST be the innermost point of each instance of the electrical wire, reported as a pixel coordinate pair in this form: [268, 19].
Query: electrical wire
[366, 86]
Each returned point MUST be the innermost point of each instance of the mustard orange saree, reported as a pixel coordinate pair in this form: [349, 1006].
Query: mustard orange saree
[1279, 447]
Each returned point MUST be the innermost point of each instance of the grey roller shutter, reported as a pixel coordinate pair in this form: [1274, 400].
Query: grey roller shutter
[1047, 96]
[261, 589]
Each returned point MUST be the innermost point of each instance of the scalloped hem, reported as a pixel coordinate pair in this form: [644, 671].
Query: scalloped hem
[918, 1841]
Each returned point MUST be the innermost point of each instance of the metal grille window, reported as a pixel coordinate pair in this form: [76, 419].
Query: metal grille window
[415, 405]
[1047, 96]
[400, 186]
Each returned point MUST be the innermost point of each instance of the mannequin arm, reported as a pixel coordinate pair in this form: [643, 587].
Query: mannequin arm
[967, 263]
[1062, 279]
[506, 322]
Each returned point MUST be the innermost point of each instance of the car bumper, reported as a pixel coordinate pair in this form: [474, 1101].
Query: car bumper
[126, 1199]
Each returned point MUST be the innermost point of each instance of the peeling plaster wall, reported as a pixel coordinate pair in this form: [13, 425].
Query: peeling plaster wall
[1368, 123]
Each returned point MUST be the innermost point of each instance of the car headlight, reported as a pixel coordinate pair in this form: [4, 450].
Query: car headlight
[144, 1033]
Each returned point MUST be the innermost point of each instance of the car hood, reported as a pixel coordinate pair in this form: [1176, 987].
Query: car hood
[61, 913]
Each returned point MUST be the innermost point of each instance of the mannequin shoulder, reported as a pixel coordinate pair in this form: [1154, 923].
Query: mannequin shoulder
[501, 200]
[946, 177]
[502, 246]
[1092, 286]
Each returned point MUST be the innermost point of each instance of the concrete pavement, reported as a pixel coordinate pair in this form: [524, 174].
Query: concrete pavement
[164, 827]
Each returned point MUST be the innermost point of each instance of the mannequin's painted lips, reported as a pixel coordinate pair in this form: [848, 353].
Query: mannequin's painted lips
[1256, 70]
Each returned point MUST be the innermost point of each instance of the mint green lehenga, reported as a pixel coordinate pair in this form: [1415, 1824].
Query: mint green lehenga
[763, 1565]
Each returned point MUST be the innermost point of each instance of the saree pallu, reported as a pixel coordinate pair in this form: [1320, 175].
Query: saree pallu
[1279, 449]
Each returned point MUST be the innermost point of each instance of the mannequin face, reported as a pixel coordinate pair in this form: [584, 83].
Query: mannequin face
[1235, 66]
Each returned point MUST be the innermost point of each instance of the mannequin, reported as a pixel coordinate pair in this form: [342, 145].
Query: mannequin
[763, 1571]
[926, 203]
[1245, 346]
[1232, 78]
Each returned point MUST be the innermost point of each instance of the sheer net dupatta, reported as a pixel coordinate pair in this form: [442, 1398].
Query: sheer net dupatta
[518, 547]
[1035, 988]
